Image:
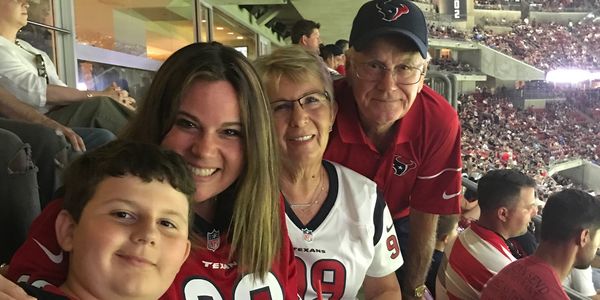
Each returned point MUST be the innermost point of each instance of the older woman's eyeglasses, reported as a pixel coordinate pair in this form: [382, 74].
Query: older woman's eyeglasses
[309, 103]
[402, 74]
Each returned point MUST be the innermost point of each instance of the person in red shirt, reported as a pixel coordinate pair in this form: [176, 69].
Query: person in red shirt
[207, 104]
[398, 132]
[124, 222]
[570, 239]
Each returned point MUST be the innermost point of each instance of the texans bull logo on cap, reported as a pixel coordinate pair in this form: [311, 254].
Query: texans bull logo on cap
[391, 9]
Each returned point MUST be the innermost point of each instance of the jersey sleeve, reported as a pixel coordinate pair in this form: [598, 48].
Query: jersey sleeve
[40, 260]
[437, 188]
[387, 257]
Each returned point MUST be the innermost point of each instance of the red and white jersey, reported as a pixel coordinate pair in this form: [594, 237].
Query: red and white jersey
[204, 274]
[352, 236]
[470, 261]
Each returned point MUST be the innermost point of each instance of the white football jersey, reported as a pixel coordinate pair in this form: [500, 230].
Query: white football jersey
[352, 236]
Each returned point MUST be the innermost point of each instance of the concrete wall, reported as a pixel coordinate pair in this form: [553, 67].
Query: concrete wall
[587, 175]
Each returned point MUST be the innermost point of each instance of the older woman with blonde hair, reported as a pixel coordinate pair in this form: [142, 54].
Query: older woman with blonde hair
[340, 227]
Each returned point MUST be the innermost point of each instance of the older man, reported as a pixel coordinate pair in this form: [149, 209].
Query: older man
[397, 131]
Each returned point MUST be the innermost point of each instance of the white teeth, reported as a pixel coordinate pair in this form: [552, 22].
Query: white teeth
[302, 138]
[203, 171]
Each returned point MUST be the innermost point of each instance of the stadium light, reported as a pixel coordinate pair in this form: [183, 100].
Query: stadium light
[568, 76]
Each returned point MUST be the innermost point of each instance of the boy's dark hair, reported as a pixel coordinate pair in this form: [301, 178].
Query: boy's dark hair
[445, 225]
[343, 44]
[329, 51]
[567, 212]
[119, 158]
[303, 27]
[501, 188]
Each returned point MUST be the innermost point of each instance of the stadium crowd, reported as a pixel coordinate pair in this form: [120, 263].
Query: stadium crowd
[498, 135]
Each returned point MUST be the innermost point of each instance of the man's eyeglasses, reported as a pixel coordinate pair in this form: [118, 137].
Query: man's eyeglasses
[375, 71]
[310, 103]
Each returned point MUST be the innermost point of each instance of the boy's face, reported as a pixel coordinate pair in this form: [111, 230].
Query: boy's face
[130, 241]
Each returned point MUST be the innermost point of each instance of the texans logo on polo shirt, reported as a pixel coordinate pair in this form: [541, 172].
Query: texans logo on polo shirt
[401, 167]
[391, 9]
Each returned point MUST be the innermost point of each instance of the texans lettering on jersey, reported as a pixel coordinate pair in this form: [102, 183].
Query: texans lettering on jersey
[352, 236]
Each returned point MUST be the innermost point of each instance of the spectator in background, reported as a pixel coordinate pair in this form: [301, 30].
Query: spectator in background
[507, 203]
[570, 239]
[447, 230]
[50, 152]
[306, 34]
[343, 44]
[29, 74]
[331, 56]
[397, 131]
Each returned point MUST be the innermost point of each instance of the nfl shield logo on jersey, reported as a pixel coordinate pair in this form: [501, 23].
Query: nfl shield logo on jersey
[307, 235]
[213, 241]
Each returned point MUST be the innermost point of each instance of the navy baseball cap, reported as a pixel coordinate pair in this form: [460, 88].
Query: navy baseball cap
[383, 17]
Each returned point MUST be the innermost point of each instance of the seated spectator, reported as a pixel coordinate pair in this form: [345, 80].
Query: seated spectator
[331, 56]
[570, 239]
[50, 151]
[29, 74]
[507, 203]
[447, 230]
[124, 223]
[581, 281]
[344, 45]
[20, 200]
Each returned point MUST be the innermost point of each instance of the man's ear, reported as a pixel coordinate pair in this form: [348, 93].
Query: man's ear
[65, 229]
[503, 213]
[584, 237]
[303, 40]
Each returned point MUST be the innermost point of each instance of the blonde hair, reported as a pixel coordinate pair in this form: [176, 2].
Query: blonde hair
[295, 64]
[255, 217]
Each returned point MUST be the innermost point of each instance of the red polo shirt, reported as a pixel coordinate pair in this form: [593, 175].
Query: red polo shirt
[421, 170]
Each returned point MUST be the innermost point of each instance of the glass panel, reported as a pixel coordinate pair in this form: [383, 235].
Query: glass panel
[98, 76]
[40, 38]
[204, 23]
[152, 29]
[231, 33]
[41, 11]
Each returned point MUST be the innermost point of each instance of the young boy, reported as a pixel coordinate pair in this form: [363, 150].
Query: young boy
[124, 223]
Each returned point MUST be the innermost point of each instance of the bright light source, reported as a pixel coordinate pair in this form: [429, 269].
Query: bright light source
[219, 28]
[568, 76]
[595, 76]
[239, 37]
[82, 86]
[230, 33]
